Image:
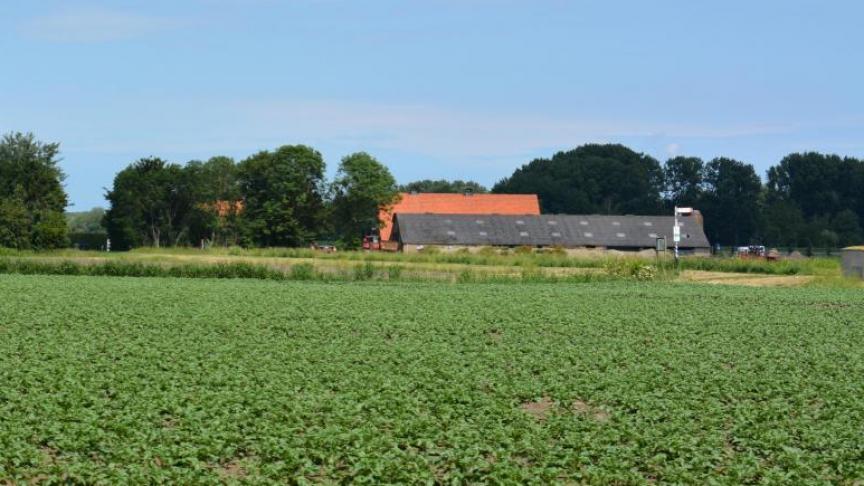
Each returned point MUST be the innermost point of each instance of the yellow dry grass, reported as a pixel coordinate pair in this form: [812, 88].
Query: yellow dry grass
[745, 279]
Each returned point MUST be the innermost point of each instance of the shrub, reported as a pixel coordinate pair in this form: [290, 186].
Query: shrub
[394, 272]
[465, 276]
[630, 268]
[644, 272]
[556, 250]
[532, 274]
[487, 251]
[302, 271]
[364, 271]
[523, 250]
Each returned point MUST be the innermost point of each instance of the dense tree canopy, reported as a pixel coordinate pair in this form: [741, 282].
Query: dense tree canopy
[810, 199]
[32, 198]
[16, 224]
[781, 222]
[284, 196]
[157, 203]
[818, 200]
[814, 182]
[730, 203]
[217, 179]
[683, 179]
[148, 203]
[216, 201]
[602, 179]
[362, 186]
[443, 186]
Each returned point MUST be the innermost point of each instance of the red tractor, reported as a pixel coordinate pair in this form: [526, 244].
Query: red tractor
[373, 242]
[756, 252]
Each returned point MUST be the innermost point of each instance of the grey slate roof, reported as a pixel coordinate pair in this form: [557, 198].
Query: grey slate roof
[545, 230]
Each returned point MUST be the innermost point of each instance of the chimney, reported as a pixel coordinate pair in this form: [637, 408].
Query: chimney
[697, 216]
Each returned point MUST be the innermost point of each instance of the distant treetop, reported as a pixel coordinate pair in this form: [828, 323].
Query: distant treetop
[443, 186]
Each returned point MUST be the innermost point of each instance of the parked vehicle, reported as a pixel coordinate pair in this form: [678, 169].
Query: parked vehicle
[324, 246]
[756, 252]
[373, 242]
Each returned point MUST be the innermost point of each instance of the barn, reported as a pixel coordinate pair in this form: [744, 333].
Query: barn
[623, 233]
[460, 203]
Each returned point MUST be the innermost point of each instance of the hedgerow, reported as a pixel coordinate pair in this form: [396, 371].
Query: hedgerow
[299, 271]
[553, 257]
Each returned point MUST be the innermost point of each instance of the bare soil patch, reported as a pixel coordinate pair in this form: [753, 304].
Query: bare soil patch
[745, 279]
[580, 407]
[495, 335]
[539, 409]
[232, 470]
[49, 454]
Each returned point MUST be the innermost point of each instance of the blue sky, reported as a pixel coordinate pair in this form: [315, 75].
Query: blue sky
[438, 88]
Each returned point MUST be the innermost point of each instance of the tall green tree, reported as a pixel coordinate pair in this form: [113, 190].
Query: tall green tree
[847, 225]
[284, 196]
[826, 190]
[604, 179]
[361, 188]
[813, 181]
[782, 223]
[215, 179]
[443, 186]
[212, 188]
[150, 201]
[731, 203]
[683, 178]
[16, 225]
[32, 198]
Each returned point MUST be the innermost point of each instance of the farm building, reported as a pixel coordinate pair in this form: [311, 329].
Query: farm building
[623, 233]
[853, 261]
[467, 203]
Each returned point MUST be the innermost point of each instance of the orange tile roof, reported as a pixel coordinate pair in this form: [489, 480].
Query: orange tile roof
[224, 208]
[436, 203]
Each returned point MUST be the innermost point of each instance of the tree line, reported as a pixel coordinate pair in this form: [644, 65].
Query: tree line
[808, 199]
[282, 197]
[273, 198]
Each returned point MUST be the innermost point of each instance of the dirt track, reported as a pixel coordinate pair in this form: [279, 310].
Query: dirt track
[745, 279]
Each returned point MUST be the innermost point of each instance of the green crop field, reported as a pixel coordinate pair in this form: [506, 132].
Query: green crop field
[146, 380]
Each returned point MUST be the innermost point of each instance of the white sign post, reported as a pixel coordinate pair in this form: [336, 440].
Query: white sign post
[676, 230]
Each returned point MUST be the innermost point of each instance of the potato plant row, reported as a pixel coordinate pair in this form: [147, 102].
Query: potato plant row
[109, 380]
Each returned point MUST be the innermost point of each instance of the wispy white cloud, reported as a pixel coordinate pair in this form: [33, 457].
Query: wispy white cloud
[456, 133]
[447, 134]
[95, 25]
[415, 140]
